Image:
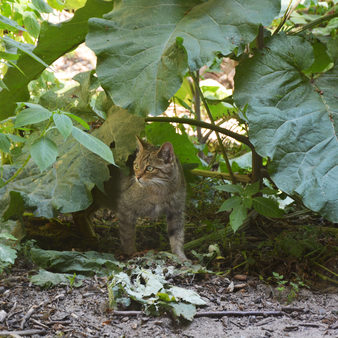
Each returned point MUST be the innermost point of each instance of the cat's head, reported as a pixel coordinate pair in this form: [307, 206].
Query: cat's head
[154, 165]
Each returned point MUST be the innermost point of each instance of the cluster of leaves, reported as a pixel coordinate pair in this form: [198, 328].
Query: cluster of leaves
[141, 280]
[8, 253]
[297, 71]
[151, 289]
[245, 199]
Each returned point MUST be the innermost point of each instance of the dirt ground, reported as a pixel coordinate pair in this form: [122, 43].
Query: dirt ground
[28, 310]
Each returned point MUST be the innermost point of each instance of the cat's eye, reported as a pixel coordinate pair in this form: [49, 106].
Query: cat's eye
[150, 168]
[136, 166]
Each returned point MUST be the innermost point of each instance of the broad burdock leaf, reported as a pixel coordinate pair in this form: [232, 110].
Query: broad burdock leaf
[85, 263]
[145, 47]
[293, 120]
[93, 144]
[7, 254]
[63, 124]
[44, 152]
[34, 114]
[46, 279]
[158, 133]
[267, 207]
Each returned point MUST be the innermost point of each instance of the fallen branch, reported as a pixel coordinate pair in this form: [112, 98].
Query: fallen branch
[214, 314]
[218, 314]
[22, 332]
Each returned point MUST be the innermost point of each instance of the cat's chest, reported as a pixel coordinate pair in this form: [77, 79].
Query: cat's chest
[147, 202]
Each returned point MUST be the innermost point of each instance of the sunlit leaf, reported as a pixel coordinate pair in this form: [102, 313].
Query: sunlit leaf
[93, 144]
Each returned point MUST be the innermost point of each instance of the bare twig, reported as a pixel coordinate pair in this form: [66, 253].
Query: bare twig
[292, 309]
[128, 313]
[30, 312]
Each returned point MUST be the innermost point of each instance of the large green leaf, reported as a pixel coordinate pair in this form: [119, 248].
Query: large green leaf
[158, 133]
[54, 41]
[145, 47]
[293, 120]
[66, 187]
[86, 263]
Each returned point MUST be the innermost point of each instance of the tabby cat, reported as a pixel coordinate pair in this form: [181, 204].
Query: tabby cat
[156, 188]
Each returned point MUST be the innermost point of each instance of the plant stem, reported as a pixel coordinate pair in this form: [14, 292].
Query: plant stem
[202, 124]
[317, 21]
[17, 172]
[325, 268]
[215, 174]
[197, 106]
[323, 277]
[225, 156]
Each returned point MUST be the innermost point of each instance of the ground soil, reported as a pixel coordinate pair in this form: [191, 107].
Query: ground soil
[28, 310]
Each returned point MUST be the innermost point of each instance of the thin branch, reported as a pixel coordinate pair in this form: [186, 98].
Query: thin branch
[202, 124]
[225, 156]
[286, 15]
[317, 21]
[225, 176]
[197, 106]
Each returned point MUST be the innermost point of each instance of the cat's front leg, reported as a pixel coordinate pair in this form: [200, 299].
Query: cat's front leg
[127, 233]
[175, 222]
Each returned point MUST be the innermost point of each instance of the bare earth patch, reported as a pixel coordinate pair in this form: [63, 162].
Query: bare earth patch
[27, 310]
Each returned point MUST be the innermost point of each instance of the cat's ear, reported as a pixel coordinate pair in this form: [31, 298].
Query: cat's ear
[166, 152]
[140, 144]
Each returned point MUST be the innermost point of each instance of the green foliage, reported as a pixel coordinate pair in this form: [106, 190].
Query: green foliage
[149, 288]
[151, 50]
[243, 200]
[46, 279]
[285, 92]
[44, 150]
[66, 186]
[293, 121]
[51, 45]
[158, 133]
[8, 254]
[83, 263]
